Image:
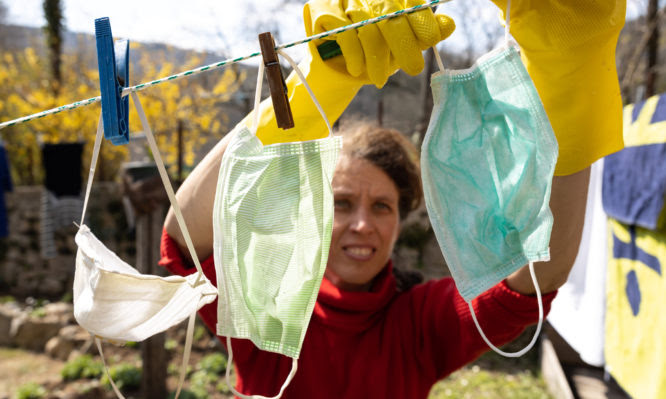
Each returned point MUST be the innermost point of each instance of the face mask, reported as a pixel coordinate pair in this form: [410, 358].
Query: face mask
[272, 218]
[487, 160]
[112, 300]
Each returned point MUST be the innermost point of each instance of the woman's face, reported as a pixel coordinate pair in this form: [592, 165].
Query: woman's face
[365, 225]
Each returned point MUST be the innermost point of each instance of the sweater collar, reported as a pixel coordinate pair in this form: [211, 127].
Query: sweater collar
[355, 311]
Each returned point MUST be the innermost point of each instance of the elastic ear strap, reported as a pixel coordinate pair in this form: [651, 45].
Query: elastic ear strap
[167, 184]
[440, 64]
[536, 333]
[292, 373]
[506, 22]
[93, 165]
[257, 97]
[186, 353]
[307, 87]
[106, 368]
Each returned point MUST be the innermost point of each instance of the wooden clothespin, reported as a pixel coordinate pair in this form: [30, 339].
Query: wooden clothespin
[276, 82]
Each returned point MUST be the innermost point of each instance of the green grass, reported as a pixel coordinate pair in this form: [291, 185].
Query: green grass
[493, 376]
[474, 382]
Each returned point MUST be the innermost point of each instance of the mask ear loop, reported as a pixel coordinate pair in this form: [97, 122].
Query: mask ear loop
[536, 333]
[301, 77]
[183, 227]
[507, 35]
[438, 57]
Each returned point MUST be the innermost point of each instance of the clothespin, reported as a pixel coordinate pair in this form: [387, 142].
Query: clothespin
[276, 82]
[113, 63]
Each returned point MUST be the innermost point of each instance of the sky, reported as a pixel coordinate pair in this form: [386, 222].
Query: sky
[231, 26]
[194, 24]
[228, 26]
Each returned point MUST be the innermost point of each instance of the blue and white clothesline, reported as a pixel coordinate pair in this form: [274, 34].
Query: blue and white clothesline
[126, 91]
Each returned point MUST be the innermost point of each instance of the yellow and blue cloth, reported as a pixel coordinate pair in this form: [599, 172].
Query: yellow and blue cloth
[633, 197]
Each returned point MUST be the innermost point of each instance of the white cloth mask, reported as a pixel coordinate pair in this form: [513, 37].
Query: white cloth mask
[112, 300]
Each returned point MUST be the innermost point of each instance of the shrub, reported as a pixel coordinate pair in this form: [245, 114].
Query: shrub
[31, 390]
[125, 376]
[83, 366]
[215, 363]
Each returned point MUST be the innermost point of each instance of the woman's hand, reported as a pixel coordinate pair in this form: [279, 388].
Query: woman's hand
[568, 47]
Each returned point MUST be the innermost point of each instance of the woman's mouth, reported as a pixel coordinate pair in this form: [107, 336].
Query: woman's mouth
[360, 253]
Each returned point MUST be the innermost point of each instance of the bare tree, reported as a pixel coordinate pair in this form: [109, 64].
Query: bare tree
[3, 12]
[3, 28]
[54, 31]
[652, 48]
[638, 50]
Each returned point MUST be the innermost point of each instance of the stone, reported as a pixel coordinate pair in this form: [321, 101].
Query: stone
[59, 348]
[33, 333]
[63, 311]
[7, 314]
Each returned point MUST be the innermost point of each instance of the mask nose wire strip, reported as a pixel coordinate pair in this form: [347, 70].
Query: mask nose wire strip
[536, 333]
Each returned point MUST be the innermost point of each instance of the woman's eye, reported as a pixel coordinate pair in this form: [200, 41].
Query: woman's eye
[382, 206]
[341, 204]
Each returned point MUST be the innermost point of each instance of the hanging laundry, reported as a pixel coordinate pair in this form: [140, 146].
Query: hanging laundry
[634, 185]
[577, 313]
[61, 201]
[635, 342]
[62, 165]
[5, 185]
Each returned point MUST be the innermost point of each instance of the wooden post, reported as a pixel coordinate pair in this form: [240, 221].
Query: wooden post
[153, 354]
[142, 184]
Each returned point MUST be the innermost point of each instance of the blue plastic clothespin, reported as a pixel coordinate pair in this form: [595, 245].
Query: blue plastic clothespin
[113, 63]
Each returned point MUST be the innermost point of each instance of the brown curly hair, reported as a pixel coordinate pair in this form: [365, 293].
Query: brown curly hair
[390, 151]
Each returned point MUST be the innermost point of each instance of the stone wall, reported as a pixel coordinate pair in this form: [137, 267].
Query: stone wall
[24, 273]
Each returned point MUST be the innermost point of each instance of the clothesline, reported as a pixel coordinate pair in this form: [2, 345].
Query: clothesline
[210, 67]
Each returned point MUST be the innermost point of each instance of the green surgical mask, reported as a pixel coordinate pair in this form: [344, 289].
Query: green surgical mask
[488, 159]
[272, 218]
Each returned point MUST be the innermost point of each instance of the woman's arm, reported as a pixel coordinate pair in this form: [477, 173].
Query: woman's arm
[567, 202]
[195, 198]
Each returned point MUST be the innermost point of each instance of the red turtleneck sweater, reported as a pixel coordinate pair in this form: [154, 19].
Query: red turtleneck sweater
[377, 344]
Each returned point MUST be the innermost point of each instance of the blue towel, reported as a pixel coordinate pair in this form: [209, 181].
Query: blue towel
[634, 179]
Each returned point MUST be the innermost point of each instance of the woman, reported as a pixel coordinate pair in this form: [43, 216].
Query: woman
[365, 338]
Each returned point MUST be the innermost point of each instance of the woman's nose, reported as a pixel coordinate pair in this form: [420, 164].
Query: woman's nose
[362, 221]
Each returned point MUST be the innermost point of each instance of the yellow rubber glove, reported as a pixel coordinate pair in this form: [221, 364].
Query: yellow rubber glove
[368, 57]
[374, 52]
[568, 47]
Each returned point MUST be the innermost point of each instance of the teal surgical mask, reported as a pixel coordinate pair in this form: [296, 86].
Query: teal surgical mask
[487, 160]
[272, 218]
